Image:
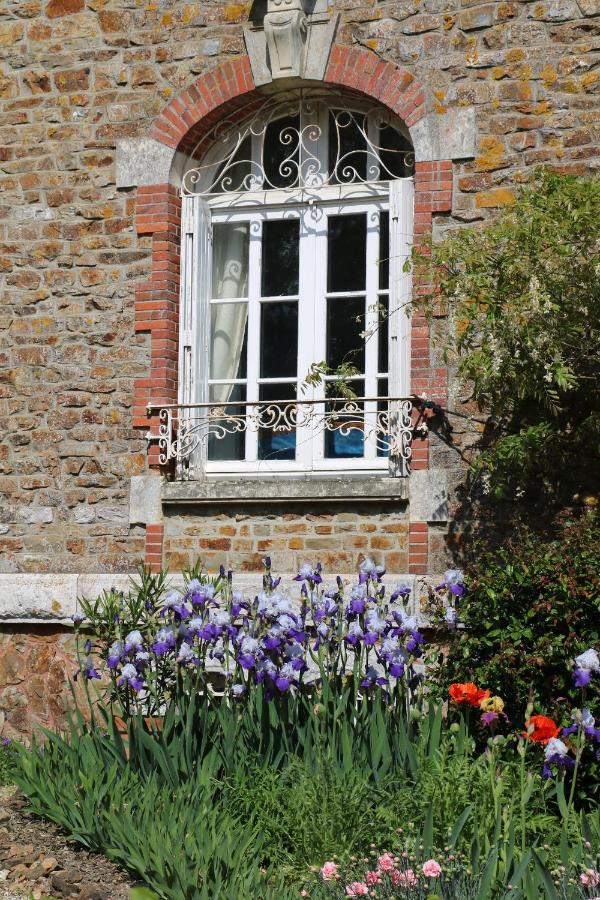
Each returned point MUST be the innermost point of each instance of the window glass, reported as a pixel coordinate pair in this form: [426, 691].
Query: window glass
[280, 257]
[225, 442]
[278, 441]
[345, 324]
[281, 153]
[345, 438]
[347, 147]
[346, 252]
[230, 260]
[279, 340]
[228, 340]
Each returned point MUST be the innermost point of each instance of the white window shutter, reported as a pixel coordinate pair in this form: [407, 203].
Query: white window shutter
[401, 239]
[194, 312]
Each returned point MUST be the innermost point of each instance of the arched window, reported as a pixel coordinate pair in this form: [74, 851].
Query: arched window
[296, 224]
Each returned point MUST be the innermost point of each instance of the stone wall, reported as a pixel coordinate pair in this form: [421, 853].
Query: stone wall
[76, 76]
[340, 537]
[36, 667]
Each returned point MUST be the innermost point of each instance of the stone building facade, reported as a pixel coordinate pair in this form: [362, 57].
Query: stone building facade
[100, 101]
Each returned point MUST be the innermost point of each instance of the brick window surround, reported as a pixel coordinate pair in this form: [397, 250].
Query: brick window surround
[181, 126]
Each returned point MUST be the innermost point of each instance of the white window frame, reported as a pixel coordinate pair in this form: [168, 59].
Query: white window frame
[198, 216]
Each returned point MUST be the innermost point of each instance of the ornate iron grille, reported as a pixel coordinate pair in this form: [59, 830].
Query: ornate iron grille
[301, 142]
[184, 430]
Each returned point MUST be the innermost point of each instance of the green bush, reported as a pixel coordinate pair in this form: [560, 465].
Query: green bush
[531, 607]
[523, 297]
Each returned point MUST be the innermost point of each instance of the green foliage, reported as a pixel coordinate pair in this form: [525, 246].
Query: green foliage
[7, 755]
[523, 296]
[241, 801]
[532, 606]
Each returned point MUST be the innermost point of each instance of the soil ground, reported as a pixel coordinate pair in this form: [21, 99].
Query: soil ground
[37, 861]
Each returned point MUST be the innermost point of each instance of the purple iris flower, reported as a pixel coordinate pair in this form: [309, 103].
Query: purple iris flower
[454, 582]
[88, 670]
[133, 641]
[307, 573]
[130, 676]
[271, 641]
[582, 677]
[165, 641]
[238, 691]
[115, 652]
[249, 651]
[354, 634]
[373, 677]
[77, 618]
[401, 590]
[396, 669]
[415, 640]
[356, 606]
[186, 655]
[265, 668]
[556, 754]
[370, 638]
[285, 677]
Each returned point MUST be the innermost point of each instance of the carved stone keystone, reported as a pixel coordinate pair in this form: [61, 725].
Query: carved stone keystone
[286, 29]
[292, 39]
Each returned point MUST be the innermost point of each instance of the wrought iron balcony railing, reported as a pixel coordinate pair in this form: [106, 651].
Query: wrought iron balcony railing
[362, 428]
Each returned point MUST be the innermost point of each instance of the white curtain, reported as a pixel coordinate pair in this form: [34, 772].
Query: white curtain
[228, 320]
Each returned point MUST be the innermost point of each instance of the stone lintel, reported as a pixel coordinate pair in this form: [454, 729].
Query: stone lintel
[449, 135]
[322, 28]
[279, 489]
[142, 162]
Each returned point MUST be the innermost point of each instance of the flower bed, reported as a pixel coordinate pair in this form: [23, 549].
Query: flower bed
[268, 746]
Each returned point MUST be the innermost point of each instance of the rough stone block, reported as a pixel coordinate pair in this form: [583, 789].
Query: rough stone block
[429, 496]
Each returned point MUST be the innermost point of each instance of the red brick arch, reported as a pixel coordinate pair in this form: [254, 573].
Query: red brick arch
[231, 85]
[180, 126]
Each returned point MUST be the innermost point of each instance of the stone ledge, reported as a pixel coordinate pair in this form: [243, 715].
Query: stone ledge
[244, 490]
[31, 599]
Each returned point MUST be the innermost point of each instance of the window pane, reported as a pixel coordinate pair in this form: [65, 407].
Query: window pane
[234, 175]
[347, 147]
[225, 441]
[346, 252]
[279, 440]
[384, 251]
[230, 260]
[398, 157]
[345, 323]
[344, 437]
[382, 334]
[279, 340]
[281, 152]
[280, 257]
[228, 340]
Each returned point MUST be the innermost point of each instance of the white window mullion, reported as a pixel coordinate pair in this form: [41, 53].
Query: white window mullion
[253, 355]
[401, 237]
[371, 323]
[317, 219]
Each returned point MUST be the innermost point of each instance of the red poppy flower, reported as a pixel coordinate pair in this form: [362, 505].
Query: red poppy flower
[467, 693]
[541, 729]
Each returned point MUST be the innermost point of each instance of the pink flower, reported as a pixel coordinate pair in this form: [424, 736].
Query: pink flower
[431, 869]
[386, 862]
[406, 879]
[329, 871]
[357, 889]
[590, 878]
[304, 893]
[373, 877]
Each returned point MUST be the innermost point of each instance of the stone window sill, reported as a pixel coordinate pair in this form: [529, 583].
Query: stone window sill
[303, 489]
